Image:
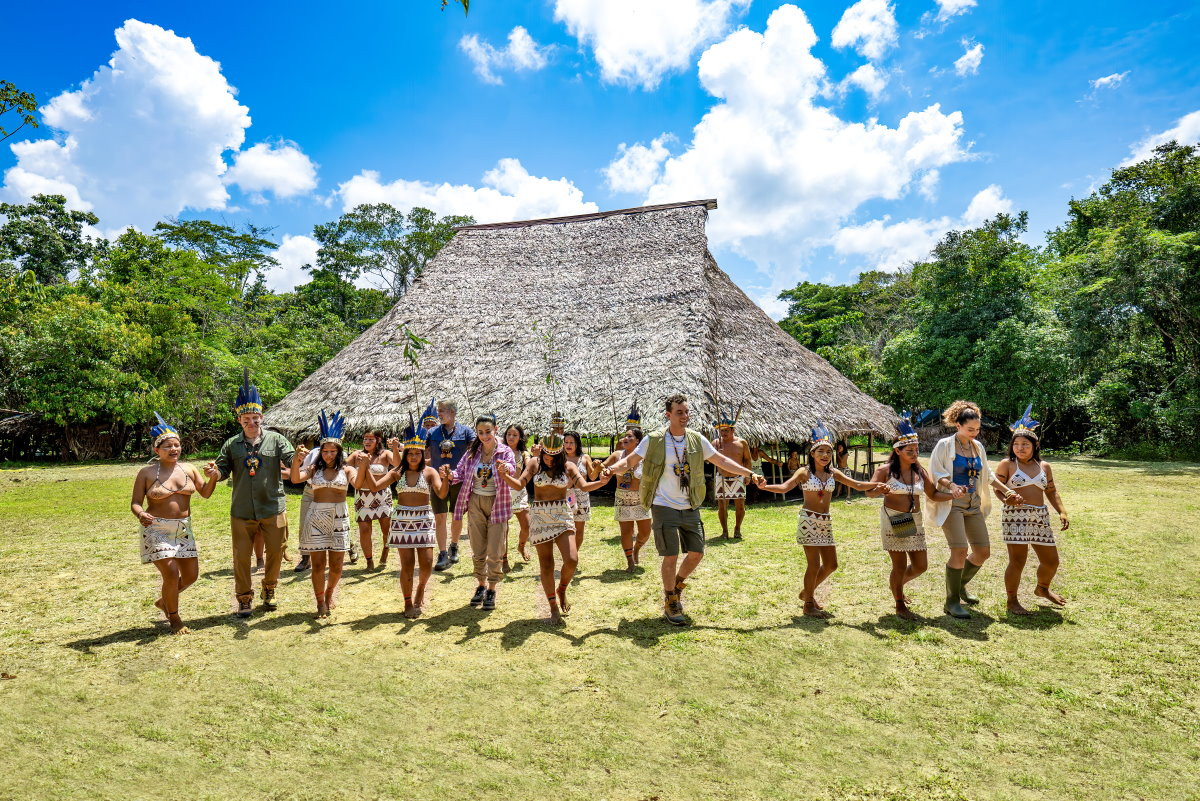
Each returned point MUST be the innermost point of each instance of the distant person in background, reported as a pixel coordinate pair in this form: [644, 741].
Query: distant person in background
[814, 529]
[841, 459]
[166, 488]
[758, 455]
[412, 534]
[254, 459]
[901, 524]
[1027, 524]
[628, 510]
[581, 499]
[514, 438]
[960, 467]
[444, 447]
[731, 486]
[374, 505]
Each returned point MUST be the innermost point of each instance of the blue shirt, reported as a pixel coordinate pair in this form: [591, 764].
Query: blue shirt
[963, 465]
[461, 437]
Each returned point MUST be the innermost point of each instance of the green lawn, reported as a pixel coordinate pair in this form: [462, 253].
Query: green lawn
[1098, 701]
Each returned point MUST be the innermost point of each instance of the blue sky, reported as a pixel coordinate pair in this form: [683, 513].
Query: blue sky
[836, 136]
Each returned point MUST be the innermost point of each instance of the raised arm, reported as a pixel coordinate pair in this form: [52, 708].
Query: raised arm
[880, 487]
[517, 482]
[725, 463]
[798, 477]
[299, 473]
[580, 482]
[206, 488]
[434, 479]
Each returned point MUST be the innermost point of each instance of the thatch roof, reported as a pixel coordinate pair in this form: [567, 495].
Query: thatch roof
[638, 308]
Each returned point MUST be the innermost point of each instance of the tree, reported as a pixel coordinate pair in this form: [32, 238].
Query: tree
[47, 238]
[25, 104]
[242, 257]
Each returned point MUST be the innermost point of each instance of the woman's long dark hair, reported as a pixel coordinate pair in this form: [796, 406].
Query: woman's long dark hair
[378, 442]
[578, 443]
[404, 468]
[338, 463]
[1037, 448]
[521, 438]
[475, 444]
[894, 467]
[558, 465]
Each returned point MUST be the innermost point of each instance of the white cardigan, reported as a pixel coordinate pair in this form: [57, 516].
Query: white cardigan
[941, 465]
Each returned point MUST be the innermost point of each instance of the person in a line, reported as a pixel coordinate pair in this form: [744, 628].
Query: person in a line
[841, 459]
[162, 495]
[551, 516]
[374, 505]
[580, 499]
[731, 487]
[814, 528]
[630, 514]
[901, 523]
[412, 530]
[960, 467]
[255, 458]
[325, 536]
[758, 455]
[1027, 524]
[486, 500]
[673, 488]
[444, 447]
[514, 438]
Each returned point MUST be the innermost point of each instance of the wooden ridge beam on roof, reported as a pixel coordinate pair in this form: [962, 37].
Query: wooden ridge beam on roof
[709, 203]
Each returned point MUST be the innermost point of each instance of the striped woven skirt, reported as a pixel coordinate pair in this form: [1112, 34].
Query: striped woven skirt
[549, 519]
[1026, 525]
[412, 527]
[372, 505]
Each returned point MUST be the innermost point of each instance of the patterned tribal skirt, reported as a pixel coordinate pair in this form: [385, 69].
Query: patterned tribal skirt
[582, 503]
[730, 488]
[549, 519]
[814, 529]
[326, 528]
[373, 505]
[1026, 525]
[412, 527]
[520, 500]
[628, 506]
[168, 538]
[891, 542]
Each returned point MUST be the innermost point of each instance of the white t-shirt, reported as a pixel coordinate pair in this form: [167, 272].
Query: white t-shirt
[669, 493]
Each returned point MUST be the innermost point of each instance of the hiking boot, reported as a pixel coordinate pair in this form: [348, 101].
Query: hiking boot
[443, 561]
[302, 565]
[477, 598]
[489, 601]
[673, 610]
[268, 600]
[454, 553]
[244, 608]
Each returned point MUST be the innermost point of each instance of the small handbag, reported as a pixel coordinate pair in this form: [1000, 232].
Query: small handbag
[904, 524]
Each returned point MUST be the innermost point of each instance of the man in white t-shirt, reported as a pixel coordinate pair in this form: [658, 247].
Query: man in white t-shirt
[673, 488]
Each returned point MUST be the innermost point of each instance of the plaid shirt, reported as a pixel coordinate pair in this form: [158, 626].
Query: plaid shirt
[465, 474]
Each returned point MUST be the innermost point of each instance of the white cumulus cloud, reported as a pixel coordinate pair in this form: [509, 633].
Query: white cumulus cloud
[968, 63]
[1185, 131]
[521, 54]
[952, 8]
[886, 245]
[508, 193]
[637, 42]
[637, 166]
[869, 26]
[786, 169]
[1108, 81]
[140, 140]
[869, 78]
[292, 254]
[281, 169]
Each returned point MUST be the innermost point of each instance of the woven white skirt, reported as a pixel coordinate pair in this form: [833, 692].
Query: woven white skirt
[168, 538]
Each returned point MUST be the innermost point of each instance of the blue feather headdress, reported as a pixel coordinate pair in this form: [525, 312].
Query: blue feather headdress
[248, 399]
[908, 435]
[430, 417]
[1026, 425]
[821, 436]
[162, 430]
[411, 436]
[331, 427]
[634, 418]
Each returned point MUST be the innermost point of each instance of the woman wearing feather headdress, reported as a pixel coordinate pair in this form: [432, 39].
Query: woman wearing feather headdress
[1027, 524]
[325, 536]
[165, 488]
[627, 504]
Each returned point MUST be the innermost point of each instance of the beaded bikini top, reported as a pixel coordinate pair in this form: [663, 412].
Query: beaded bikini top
[1021, 479]
[318, 480]
[421, 486]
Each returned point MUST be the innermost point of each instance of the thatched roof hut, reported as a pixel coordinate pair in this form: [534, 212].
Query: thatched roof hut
[637, 307]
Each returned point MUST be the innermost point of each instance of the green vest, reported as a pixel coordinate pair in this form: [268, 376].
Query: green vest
[656, 462]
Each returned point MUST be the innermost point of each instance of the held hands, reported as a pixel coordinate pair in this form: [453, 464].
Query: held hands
[880, 486]
[393, 442]
[445, 471]
[957, 490]
[301, 452]
[536, 450]
[759, 481]
[212, 471]
[501, 468]
[147, 519]
[1013, 499]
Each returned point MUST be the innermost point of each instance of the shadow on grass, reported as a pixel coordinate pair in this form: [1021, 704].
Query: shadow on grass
[974, 628]
[1046, 617]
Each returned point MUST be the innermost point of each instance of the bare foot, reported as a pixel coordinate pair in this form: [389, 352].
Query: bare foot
[737, 533]
[556, 618]
[161, 607]
[812, 610]
[562, 601]
[630, 565]
[419, 601]
[637, 556]
[409, 610]
[1050, 595]
[176, 623]
[903, 611]
[521, 550]
[1015, 608]
[322, 611]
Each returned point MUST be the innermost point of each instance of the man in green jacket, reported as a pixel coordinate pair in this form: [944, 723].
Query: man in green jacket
[673, 490]
[253, 459]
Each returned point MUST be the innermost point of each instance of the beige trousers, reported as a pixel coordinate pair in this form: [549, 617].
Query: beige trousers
[489, 541]
[275, 534]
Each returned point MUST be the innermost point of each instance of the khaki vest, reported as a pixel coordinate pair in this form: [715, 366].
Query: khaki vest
[655, 464]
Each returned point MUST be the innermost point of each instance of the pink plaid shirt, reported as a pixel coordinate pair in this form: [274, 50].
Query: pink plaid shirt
[465, 474]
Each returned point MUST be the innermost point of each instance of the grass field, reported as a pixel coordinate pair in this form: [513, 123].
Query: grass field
[1098, 701]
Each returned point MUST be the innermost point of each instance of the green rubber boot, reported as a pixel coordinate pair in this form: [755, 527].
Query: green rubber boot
[953, 588]
[969, 571]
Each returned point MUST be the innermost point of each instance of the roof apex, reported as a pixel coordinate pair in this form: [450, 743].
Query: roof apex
[708, 203]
